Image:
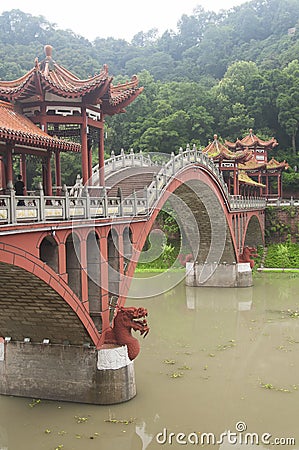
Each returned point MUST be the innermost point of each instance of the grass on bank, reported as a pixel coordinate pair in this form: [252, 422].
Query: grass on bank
[283, 256]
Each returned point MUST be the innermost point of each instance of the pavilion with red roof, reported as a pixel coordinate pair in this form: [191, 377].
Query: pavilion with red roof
[259, 168]
[245, 165]
[49, 106]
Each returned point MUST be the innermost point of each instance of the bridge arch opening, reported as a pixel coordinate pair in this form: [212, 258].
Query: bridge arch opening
[73, 264]
[254, 233]
[94, 278]
[203, 223]
[113, 269]
[127, 247]
[48, 252]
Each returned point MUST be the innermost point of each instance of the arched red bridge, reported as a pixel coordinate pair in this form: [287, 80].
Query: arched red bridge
[66, 261]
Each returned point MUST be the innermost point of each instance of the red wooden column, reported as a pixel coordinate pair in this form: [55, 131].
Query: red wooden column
[228, 182]
[62, 261]
[104, 277]
[9, 171]
[23, 171]
[48, 175]
[57, 171]
[84, 146]
[279, 184]
[89, 161]
[236, 180]
[259, 179]
[2, 174]
[101, 157]
[267, 186]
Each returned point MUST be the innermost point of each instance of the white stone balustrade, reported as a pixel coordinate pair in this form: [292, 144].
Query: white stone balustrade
[79, 202]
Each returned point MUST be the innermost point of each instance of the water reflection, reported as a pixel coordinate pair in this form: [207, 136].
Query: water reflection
[218, 299]
[213, 357]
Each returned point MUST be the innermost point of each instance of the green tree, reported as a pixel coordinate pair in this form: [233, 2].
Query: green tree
[288, 100]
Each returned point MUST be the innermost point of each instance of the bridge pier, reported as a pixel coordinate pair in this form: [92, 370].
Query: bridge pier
[66, 372]
[218, 275]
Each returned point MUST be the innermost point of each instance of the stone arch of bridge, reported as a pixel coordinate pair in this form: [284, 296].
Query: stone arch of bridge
[48, 252]
[38, 304]
[253, 234]
[202, 212]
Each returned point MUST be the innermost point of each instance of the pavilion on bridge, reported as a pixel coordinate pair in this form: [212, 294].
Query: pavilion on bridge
[245, 166]
[49, 106]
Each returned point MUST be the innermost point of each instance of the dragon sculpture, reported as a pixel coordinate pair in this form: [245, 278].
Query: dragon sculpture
[247, 256]
[126, 319]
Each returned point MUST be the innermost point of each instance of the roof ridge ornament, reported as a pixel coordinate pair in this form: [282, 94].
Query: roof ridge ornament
[49, 66]
[48, 50]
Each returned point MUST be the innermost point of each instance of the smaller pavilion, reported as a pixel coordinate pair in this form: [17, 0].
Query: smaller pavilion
[257, 146]
[228, 162]
[258, 168]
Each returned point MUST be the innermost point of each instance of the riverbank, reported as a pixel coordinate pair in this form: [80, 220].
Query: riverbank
[276, 270]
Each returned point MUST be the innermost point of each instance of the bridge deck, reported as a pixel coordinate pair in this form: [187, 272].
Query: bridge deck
[141, 183]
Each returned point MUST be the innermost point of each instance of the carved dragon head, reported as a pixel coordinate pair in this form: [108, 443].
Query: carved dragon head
[131, 317]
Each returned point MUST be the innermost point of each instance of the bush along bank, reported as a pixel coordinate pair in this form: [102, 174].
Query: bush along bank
[282, 256]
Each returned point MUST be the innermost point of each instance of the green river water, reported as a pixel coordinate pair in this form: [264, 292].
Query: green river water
[217, 364]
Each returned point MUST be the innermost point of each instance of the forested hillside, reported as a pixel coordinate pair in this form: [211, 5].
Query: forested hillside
[216, 73]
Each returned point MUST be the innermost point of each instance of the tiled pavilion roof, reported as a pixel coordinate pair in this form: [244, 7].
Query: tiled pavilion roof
[273, 164]
[251, 141]
[252, 164]
[18, 129]
[244, 178]
[51, 77]
[218, 151]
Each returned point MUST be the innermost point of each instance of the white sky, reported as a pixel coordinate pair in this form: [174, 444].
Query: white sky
[120, 19]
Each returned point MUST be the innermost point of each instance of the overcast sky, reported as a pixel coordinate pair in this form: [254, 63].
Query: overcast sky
[119, 18]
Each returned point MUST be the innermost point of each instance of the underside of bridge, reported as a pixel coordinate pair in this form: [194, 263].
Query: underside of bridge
[203, 223]
[254, 234]
[31, 308]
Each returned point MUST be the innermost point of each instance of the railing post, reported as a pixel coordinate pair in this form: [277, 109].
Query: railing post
[141, 158]
[105, 202]
[164, 173]
[66, 202]
[173, 163]
[188, 152]
[120, 196]
[195, 152]
[123, 158]
[181, 157]
[113, 160]
[41, 202]
[85, 194]
[132, 157]
[12, 210]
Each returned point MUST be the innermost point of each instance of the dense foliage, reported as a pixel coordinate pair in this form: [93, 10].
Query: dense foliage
[216, 73]
[282, 256]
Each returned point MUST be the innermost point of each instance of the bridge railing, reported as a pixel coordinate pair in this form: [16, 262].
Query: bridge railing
[191, 156]
[93, 202]
[282, 202]
[42, 208]
[121, 161]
